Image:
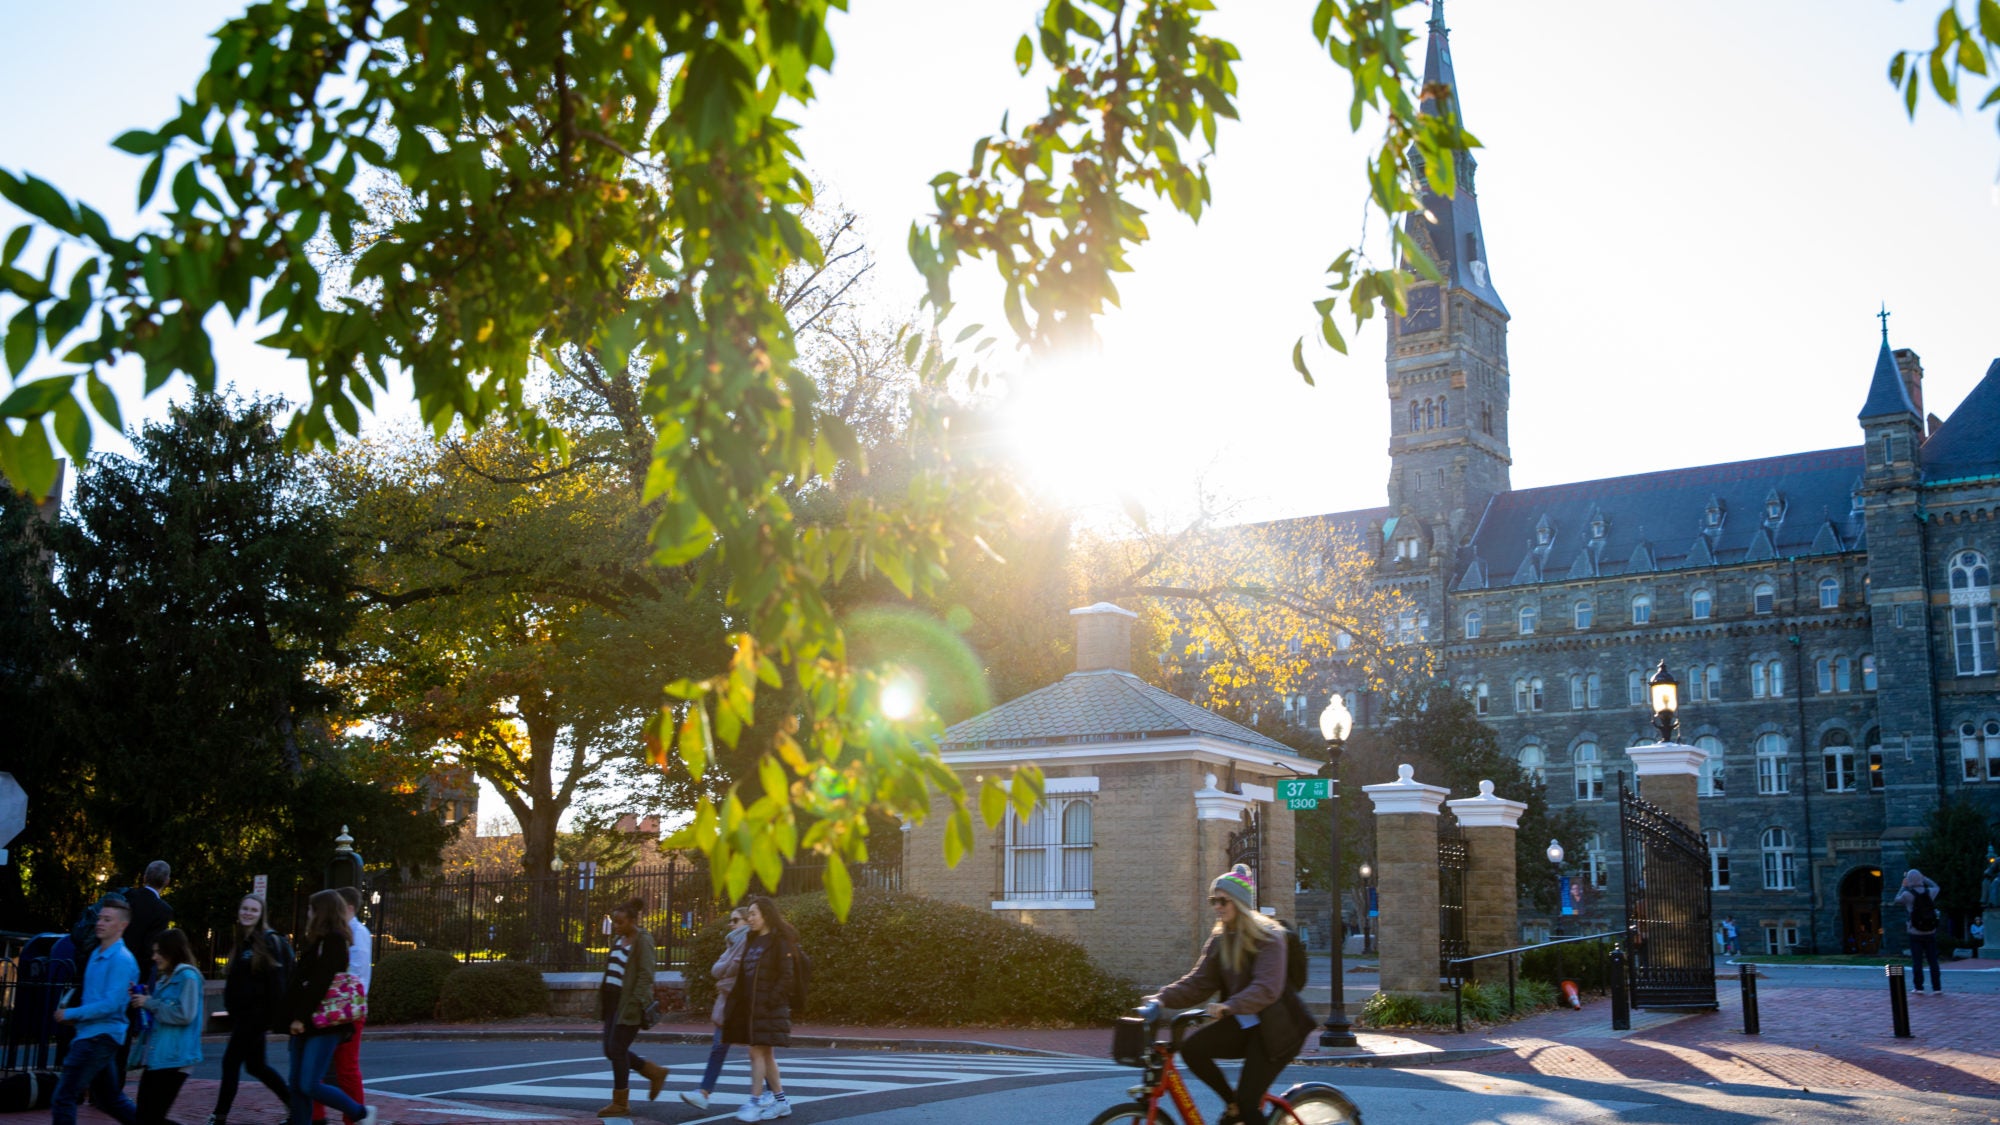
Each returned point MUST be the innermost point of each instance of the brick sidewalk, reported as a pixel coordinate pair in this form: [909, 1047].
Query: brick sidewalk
[255, 1104]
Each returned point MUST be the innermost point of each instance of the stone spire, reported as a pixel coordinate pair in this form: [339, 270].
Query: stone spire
[1455, 239]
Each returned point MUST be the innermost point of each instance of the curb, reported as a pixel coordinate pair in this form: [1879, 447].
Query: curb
[703, 1039]
[1411, 1058]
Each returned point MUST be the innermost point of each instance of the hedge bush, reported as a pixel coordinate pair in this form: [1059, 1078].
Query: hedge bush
[405, 986]
[498, 991]
[909, 961]
[1584, 962]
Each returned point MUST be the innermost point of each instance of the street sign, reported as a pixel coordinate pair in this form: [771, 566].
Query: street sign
[1301, 802]
[13, 808]
[1306, 788]
[1563, 896]
[1374, 907]
[259, 883]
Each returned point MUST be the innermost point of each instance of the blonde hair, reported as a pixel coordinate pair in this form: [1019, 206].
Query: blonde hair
[1243, 937]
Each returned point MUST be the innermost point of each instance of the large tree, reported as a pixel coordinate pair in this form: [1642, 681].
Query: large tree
[619, 175]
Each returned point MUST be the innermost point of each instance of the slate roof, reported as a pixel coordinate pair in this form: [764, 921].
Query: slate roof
[1968, 444]
[1659, 521]
[1100, 706]
[1886, 393]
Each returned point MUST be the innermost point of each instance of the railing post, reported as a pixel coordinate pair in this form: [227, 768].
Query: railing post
[1458, 996]
[1510, 984]
[1899, 1002]
[1621, 1004]
[471, 912]
[1751, 1026]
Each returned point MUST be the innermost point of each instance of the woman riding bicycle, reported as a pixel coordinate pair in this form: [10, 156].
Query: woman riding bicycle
[1256, 1020]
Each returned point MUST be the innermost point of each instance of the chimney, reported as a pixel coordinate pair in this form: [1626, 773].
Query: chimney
[1103, 638]
[1912, 369]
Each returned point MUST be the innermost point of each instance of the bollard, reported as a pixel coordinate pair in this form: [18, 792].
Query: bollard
[1621, 1003]
[1899, 1002]
[1749, 979]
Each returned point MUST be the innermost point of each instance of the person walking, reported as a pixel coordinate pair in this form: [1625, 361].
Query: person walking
[1257, 1019]
[623, 994]
[1729, 936]
[253, 993]
[724, 972]
[323, 956]
[150, 918]
[361, 963]
[91, 1064]
[759, 1011]
[173, 1043]
[1919, 897]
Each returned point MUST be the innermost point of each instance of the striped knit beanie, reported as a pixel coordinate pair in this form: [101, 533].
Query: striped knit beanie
[1238, 884]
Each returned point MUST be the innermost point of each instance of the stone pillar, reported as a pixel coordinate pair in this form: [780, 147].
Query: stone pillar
[1492, 897]
[1407, 882]
[1672, 778]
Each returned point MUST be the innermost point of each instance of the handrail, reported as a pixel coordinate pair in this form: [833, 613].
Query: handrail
[1458, 977]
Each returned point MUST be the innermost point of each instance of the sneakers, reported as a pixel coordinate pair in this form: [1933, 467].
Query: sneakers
[752, 1110]
[368, 1115]
[773, 1107]
[695, 1098]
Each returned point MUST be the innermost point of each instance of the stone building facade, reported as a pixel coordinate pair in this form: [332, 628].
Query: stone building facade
[1148, 798]
[1829, 614]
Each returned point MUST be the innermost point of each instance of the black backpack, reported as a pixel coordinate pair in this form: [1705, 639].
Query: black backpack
[802, 971]
[83, 935]
[1296, 964]
[1923, 912]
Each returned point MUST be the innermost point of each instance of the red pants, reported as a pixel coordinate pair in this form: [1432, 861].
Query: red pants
[346, 1072]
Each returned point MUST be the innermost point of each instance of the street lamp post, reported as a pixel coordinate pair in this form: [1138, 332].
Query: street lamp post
[1555, 854]
[1334, 723]
[1666, 695]
[1367, 885]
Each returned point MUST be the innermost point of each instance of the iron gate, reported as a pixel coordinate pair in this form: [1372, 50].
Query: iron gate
[1453, 859]
[1668, 918]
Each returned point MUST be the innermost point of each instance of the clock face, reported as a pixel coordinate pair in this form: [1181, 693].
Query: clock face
[1426, 311]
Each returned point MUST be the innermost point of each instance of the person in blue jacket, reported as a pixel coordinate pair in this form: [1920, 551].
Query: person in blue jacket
[99, 1019]
[174, 1042]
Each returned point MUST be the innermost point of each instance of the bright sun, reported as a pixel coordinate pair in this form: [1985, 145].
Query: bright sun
[1071, 433]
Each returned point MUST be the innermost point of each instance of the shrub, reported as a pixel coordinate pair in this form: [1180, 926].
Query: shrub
[910, 961]
[1389, 1010]
[1586, 963]
[406, 985]
[493, 992]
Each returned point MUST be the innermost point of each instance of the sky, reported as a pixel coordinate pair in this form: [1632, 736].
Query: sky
[1693, 210]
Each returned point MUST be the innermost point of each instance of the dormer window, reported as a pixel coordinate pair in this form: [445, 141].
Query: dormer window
[1544, 534]
[1597, 527]
[1774, 507]
[1713, 516]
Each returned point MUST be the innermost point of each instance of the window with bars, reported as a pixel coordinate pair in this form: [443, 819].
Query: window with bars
[1049, 852]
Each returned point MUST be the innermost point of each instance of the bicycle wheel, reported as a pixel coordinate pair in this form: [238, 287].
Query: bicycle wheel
[1133, 1113]
[1311, 1103]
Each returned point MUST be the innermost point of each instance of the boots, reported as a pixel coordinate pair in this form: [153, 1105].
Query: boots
[620, 1105]
[656, 1077]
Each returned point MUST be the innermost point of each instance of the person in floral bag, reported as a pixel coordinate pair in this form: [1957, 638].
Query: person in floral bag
[324, 1000]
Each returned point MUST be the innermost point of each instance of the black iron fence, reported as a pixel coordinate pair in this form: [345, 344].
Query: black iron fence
[32, 982]
[562, 923]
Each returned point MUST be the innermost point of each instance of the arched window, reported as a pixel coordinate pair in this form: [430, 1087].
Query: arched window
[1867, 671]
[1635, 688]
[1718, 859]
[1763, 598]
[1873, 740]
[1474, 620]
[1823, 668]
[1829, 593]
[1777, 677]
[1711, 781]
[1416, 416]
[1593, 691]
[1972, 614]
[1576, 691]
[1430, 414]
[1774, 770]
[1837, 757]
[1712, 688]
[1595, 861]
[1535, 764]
[1642, 609]
[1521, 694]
[1535, 694]
[1779, 874]
[1758, 684]
[1589, 772]
[1486, 418]
[1843, 674]
[1701, 604]
[1692, 685]
[1444, 412]
[1582, 613]
[1529, 615]
[1482, 698]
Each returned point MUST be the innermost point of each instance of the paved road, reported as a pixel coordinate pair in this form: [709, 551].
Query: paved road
[1981, 981]
[885, 1088]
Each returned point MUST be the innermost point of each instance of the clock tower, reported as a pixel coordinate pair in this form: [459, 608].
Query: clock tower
[1447, 365]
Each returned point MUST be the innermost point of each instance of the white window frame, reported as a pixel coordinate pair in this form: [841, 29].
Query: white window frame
[1576, 696]
[1758, 687]
[1774, 765]
[1596, 864]
[1972, 640]
[1829, 593]
[1718, 859]
[1635, 688]
[1475, 622]
[1537, 694]
[1781, 872]
[1713, 781]
[1534, 761]
[1057, 855]
[1701, 605]
[1526, 618]
[1642, 609]
[1582, 614]
[1713, 689]
[1588, 770]
[1979, 751]
[1777, 678]
[1593, 691]
[1837, 763]
[1763, 599]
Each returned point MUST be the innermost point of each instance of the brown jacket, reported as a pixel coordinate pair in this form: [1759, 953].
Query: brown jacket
[1243, 993]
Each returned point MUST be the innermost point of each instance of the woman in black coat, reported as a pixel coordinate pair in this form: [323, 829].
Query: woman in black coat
[322, 957]
[759, 1014]
[253, 993]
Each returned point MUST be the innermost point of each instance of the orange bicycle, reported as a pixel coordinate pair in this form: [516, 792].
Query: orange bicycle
[1137, 1042]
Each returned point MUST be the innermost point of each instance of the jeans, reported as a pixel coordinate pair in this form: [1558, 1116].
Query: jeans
[245, 1053]
[1924, 947]
[158, 1088]
[347, 1070]
[312, 1056]
[92, 1065]
[1226, 1039]
[717, 1052]
[618, 1042]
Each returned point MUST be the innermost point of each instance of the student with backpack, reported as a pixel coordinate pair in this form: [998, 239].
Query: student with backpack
[624, 994]
[771, 982]
[1919, 897]
[253, 993]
